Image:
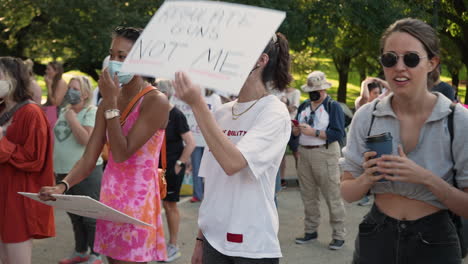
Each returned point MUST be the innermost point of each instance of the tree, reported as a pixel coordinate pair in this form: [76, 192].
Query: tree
[78, 32]
[454, 25]
[449, 18]
[349, 29]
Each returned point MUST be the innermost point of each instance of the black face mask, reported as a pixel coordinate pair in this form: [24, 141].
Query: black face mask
[314, 96]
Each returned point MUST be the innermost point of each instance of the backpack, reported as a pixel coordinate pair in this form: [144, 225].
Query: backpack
[348, 114]
[458, 221]
[461, 224]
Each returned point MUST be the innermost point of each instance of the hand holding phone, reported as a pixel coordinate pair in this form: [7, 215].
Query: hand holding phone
[295, 122]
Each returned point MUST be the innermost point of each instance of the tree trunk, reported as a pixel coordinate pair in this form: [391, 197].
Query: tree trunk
[455, 81]
[465, 61]
[342, 86]
[342, 64]
[91, 72]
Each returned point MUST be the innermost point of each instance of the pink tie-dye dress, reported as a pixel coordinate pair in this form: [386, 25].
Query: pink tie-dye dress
[132, 187]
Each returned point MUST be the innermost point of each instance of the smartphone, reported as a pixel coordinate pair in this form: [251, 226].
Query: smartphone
[295, 122]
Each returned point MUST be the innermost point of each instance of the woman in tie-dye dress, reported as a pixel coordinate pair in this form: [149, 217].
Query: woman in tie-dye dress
[130, 181]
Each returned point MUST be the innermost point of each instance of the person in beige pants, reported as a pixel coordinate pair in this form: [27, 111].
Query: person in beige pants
[321, 126]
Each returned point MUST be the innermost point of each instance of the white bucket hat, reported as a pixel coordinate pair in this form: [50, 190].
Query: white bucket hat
[316, 81]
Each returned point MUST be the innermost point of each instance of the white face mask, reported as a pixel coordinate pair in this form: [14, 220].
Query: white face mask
[5, 87]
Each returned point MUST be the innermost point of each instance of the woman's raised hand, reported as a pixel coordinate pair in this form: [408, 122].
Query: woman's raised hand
[186, 90]
[109, 86]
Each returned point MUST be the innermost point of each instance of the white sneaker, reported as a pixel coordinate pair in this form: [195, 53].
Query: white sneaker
[93, 259]
[173, 253]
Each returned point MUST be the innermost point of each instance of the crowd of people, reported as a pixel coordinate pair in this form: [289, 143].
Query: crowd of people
[110, 150]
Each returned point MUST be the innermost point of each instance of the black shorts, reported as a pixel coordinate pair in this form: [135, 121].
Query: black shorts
[293, 143]
[174, 183]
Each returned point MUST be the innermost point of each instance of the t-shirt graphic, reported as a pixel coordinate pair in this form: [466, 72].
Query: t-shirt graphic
[62, 131]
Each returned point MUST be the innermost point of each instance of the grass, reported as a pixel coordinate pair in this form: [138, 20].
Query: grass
[322, 64]
[354, 83]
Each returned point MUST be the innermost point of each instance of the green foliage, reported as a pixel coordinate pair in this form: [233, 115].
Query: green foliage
[77, 32]
[339, 37]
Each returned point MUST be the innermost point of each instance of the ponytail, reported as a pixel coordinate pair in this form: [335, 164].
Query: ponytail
[277, 69]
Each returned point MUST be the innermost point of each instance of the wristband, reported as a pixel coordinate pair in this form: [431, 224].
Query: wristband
[67, 186]
[200, 239]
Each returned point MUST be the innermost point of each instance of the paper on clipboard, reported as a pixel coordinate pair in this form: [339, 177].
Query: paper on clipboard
[86, 206]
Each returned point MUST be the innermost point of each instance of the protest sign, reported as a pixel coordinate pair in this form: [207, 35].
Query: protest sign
[86, 206]
[216, 44]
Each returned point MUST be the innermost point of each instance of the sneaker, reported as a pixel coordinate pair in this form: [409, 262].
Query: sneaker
[336, 244]
[284, 183]
[194, 200]
[365, 201]
[173, 253]
[93, 259]
[308, 237]
[74, 258]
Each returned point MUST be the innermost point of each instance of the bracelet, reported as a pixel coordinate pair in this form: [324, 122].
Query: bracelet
[67, 185]
[200, 239]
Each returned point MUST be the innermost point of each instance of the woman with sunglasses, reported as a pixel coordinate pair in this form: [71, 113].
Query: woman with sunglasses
[413, 188]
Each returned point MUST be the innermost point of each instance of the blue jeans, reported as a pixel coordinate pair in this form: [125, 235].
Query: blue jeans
[277, 186]
[197, 181]
[431, 239]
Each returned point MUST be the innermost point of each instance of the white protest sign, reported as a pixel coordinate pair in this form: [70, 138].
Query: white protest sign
[86, 206]
[217, 44]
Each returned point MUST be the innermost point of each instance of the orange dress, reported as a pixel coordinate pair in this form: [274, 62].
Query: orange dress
[25, 166]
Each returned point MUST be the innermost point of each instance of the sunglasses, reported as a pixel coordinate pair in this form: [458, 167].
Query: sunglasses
[310, 119]
[410, 59]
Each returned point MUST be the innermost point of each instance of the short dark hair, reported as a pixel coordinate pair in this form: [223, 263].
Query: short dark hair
[374, 85]
[16, 70]
[279, 63]
[130, 33]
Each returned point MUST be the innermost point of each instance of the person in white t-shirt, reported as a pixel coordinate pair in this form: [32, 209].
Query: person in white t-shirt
[246, 140]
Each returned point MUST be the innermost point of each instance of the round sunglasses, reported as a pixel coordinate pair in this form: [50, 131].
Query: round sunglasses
[410, 59]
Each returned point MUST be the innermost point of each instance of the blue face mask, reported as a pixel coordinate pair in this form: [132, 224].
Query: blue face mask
[114, 67]
[73, 96]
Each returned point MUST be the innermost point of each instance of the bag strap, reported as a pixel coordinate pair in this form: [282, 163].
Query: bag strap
[372, 118]
[163, 154]
[450, 129]
[132, 103]
[6, 116]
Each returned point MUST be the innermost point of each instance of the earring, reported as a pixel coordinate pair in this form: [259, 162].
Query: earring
[258, 65]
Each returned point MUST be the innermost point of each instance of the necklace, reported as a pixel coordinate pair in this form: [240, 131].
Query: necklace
[236, 116]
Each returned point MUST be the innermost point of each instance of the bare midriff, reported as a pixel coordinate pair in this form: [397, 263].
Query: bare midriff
[403, 208]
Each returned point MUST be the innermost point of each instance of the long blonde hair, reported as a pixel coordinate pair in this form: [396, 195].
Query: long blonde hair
[85, 88]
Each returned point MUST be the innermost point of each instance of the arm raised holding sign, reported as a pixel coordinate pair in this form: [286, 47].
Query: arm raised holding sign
[246, 140]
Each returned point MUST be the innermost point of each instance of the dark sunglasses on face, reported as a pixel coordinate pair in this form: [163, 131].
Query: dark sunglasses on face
[390, 59]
